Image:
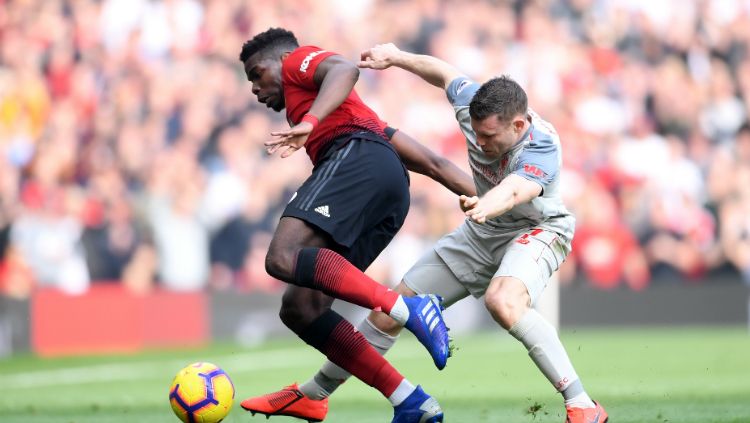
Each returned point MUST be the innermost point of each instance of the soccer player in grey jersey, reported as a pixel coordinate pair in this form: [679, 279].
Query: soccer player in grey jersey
[517, 231]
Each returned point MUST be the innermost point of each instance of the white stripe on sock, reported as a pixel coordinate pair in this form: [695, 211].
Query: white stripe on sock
[405, 388]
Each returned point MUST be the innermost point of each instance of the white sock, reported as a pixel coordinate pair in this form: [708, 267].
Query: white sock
[576, 397]
[331, 376]
[545, 349]
[404, 389]
[399, 311]
[581, 400]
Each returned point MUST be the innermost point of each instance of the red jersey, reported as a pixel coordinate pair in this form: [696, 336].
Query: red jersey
[351, 116]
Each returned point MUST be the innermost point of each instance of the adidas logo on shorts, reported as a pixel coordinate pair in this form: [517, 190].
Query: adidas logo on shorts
[323, 210]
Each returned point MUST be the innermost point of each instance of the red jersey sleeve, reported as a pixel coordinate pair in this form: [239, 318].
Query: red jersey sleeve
[300, 92]
[299, 67]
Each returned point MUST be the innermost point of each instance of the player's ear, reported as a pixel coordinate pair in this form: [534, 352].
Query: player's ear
[285, 54]
[518, 123]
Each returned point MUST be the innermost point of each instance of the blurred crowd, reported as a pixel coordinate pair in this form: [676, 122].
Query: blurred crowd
[131, 145]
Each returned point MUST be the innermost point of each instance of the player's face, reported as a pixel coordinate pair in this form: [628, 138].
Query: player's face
[495, 137]
[265, 75]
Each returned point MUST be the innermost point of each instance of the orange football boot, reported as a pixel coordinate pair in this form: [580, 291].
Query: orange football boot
[587, 415]
[288, 402]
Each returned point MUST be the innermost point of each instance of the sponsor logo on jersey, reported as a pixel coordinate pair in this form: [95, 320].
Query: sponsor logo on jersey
[306, 62]
[533, 170]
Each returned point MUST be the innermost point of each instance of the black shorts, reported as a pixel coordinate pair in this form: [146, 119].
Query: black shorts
[358, 193]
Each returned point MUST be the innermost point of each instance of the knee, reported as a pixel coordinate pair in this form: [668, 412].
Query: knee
[280, 263]
[507, 303]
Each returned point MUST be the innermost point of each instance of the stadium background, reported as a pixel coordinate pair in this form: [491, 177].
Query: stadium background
[136, 201]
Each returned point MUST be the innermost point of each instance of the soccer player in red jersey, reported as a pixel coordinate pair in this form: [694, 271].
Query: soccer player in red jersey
[340, 219]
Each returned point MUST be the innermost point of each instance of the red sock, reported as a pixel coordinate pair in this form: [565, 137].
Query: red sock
[335, 337]
[325, 270]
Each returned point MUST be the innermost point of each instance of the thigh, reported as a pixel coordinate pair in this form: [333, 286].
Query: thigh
[431, 275]
[290, 236]
[293, 232]
[532, 258]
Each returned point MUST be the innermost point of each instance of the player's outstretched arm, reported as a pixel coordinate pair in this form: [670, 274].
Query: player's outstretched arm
[429, 68]
[335, 77]
[421, 159]
[513, 190]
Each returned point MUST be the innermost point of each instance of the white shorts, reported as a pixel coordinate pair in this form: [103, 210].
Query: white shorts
[467, 259]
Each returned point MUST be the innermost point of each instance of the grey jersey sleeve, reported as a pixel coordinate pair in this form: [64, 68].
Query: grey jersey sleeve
[539, 162]
[461, 90]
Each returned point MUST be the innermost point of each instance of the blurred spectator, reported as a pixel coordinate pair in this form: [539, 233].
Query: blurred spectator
[180, 237]
[253, 276]
[47, 236]
[604, 248]
[111, 240]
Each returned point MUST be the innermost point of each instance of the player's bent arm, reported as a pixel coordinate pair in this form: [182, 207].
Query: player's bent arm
[513, 190]
[429, 68]
[421, 159]
[335, 77]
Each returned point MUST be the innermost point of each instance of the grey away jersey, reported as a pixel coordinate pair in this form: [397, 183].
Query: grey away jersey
[538, 157]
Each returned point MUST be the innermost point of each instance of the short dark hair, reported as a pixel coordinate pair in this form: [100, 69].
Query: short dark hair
[269, 40]
[499, 96]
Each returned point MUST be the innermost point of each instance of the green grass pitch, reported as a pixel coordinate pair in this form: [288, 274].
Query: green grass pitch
[691, 375]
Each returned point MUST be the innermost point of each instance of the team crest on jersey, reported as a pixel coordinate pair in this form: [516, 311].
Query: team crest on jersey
[487, 172]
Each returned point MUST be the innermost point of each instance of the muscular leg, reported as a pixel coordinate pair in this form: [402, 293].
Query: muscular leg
[304, 256]
[380, 330]
[508, 300]
[429, 275]
[299, 306]
[292, 235]
[307, 312]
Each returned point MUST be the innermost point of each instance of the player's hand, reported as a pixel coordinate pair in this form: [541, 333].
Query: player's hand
[466, 202]
[293, 139]
[473, 209]
[379, 57]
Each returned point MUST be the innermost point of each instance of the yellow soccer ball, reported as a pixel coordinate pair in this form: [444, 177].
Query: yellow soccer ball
[201, 393]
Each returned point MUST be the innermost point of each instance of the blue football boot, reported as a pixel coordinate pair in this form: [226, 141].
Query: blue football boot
[418, 407]
[427, 324]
